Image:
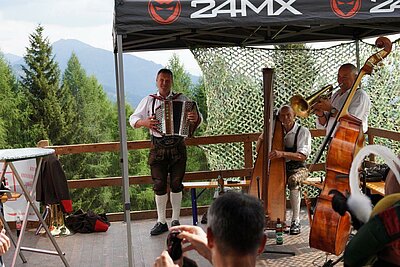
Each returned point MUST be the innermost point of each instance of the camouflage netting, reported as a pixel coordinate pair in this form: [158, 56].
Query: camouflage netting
[233, 81]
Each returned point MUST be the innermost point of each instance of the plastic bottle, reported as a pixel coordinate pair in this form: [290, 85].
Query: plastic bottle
[18, 225]
[279, 232]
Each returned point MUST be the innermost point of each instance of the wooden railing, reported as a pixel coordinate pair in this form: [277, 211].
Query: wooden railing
[246, 139]
[375, 132]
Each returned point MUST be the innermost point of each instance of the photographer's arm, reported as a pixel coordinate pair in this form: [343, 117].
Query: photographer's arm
[196, 237]
[164, 260]
[4, 242]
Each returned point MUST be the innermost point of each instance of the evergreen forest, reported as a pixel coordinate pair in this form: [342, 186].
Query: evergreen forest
[72, 108]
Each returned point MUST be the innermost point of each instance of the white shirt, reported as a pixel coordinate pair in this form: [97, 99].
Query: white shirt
[359, 108]
[145, 110]
[303, 139]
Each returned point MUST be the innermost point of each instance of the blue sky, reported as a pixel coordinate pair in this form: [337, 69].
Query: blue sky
[89, 21]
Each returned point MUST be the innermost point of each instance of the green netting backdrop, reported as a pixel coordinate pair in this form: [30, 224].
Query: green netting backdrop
[233, 82]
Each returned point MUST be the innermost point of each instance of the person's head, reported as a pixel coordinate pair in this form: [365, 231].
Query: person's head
[164, 81]
[347, 74]
[236, 225]
[286, 117]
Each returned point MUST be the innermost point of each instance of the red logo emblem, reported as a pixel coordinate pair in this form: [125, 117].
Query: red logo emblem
[164, 11]
[345, 8]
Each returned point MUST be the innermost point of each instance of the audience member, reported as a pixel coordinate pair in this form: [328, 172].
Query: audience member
[4, 245]
[234, 237]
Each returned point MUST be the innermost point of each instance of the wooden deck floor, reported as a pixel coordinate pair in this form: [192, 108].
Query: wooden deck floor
[110, 248]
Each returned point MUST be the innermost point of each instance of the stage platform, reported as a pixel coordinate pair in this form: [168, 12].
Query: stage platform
[110, 248]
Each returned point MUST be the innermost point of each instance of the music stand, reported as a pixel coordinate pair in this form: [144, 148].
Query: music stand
[267, 250]
[330, 263]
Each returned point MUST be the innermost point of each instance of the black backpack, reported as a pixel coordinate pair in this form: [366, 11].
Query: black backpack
[87, 222]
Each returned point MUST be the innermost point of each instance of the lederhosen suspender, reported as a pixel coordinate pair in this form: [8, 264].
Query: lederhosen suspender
[154, 96]
[294, 164]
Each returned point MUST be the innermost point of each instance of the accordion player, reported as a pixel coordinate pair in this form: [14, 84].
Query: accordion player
[173, 117]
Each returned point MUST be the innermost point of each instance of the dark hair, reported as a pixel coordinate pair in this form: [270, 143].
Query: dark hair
[166, 71]
[237, 222]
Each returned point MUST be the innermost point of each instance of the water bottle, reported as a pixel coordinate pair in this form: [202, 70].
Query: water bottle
[18, 225]
[279, 232]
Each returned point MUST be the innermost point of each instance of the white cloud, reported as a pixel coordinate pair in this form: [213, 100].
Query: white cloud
[72, 13]
[89, 21]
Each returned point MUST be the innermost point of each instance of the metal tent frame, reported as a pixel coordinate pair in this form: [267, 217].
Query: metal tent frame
[148, 25]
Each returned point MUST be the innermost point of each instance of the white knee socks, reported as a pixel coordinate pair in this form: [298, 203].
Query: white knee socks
[161, 203]
[295, 203]
[176, 200]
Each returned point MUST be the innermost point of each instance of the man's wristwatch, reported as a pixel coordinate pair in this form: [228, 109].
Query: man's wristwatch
[332, 111]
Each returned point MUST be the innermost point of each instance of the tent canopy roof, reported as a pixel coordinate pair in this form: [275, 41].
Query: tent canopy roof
[172, 24]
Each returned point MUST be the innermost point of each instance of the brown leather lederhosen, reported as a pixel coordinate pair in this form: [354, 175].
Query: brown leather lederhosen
[167, 158]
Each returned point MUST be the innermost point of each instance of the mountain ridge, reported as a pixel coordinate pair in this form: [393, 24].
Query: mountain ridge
[139, 74]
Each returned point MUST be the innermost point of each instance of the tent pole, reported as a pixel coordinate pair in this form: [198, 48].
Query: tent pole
[358, 53]
[358, 57]
[123, 145]
[119, 114]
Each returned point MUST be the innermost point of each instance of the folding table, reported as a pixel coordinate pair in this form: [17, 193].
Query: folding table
[8, 157]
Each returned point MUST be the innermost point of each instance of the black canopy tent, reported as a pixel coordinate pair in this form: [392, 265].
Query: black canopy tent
[146, 25]
[173, 24]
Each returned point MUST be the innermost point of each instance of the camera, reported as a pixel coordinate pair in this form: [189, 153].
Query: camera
[174, 245]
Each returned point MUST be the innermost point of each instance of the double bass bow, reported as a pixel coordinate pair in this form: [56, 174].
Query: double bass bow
[330, 231]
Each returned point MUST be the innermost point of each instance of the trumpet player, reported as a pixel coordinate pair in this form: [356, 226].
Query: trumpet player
[327, 110]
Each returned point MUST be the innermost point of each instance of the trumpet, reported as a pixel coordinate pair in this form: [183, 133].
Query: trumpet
[304, 106]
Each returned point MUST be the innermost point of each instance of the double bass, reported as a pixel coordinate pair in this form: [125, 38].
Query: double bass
[330, 231]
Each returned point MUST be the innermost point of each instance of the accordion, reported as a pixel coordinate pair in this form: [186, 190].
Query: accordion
[172, 115]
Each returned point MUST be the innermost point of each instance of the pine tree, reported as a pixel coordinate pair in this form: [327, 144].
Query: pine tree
[92, 120]
[182, 81]
[73, 79]
[8, 104]
[40, 83]
[13, 110]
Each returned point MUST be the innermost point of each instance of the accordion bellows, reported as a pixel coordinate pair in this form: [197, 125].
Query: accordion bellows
[172, 115]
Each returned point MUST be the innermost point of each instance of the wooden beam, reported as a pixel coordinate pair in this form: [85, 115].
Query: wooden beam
[146, 179]
[151, 214]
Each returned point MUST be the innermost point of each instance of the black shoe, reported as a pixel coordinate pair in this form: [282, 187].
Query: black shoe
[295, 228]
[159, 228]
[175, 223]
